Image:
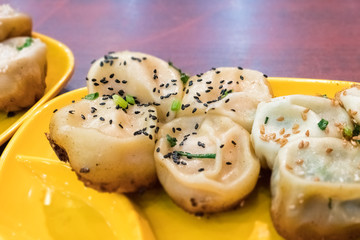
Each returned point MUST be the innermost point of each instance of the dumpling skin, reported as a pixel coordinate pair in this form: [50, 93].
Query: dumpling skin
[316, 190]
[147, 78]
[284, 119]
[22, 73]
[13, 23]
[350, 99]
[206, 185]
[109, 149]
[227, 91]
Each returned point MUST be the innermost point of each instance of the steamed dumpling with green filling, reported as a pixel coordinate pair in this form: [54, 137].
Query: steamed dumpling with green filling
[227, 91]
[110, 148]
[350, 99]
[284, 119]
[148, 79]
[316, 190]
[22, 72]
[206, 163]
[13, 23]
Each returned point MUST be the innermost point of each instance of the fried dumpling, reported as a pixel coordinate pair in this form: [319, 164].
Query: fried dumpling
[205, 163]
[148, 79]
[316, 190]
[110, 148]
[231, 92]
[22, 72]
[350, 99]
[285, 119]
[13, 23]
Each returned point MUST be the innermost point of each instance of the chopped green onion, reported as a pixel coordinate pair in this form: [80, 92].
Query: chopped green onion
[347, 132]
[323, 124]
[27, 43]
[175, 106]
[226, 93]
[183, 76]
[266, 120]
[190, 155]
[324, 96]
[92, 96]
[171, 140]
[120, 101]
[130, 99]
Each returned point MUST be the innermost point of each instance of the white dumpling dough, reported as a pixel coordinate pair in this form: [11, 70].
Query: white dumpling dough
[316, 190]
[350, 99]
[284, 119]
[13, 23]
[145, 77]
[205, 185]
[231, 92]
[22, 73]
[109, 149]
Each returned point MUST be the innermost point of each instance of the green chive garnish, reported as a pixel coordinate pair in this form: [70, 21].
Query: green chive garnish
[175, 106]
[323, 124]
[92, 96]
[120, 101]
[27, 43]
[266, 120]
[130, 99]
[190, 155]
[171, 140]
[183, 76]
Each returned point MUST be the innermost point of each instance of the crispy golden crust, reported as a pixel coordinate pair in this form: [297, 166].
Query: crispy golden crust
[59, 151]
[125, 185]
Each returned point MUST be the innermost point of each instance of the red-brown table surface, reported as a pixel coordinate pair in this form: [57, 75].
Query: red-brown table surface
[307, 39]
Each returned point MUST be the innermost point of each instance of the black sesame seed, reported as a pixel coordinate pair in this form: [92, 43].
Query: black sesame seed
[196, 126]
[201, 169]
[266, 76]
[96, 84]
[217, 72]
[241, 77]
[228, 163]
[117, 81]
[111, 75]
[121, 125]
[102, 103]
[71, 111]
[102, 119]
[222, 145]
[233, 142]
[82, 116]
[55, 111]
[124, 81]
[110, 121]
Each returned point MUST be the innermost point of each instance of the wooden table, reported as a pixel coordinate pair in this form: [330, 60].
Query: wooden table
[307, 39]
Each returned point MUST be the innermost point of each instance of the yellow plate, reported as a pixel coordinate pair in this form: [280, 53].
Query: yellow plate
[60, 62]
[41, 197]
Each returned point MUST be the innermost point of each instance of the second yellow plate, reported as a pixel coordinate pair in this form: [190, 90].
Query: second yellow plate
[41, 197]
